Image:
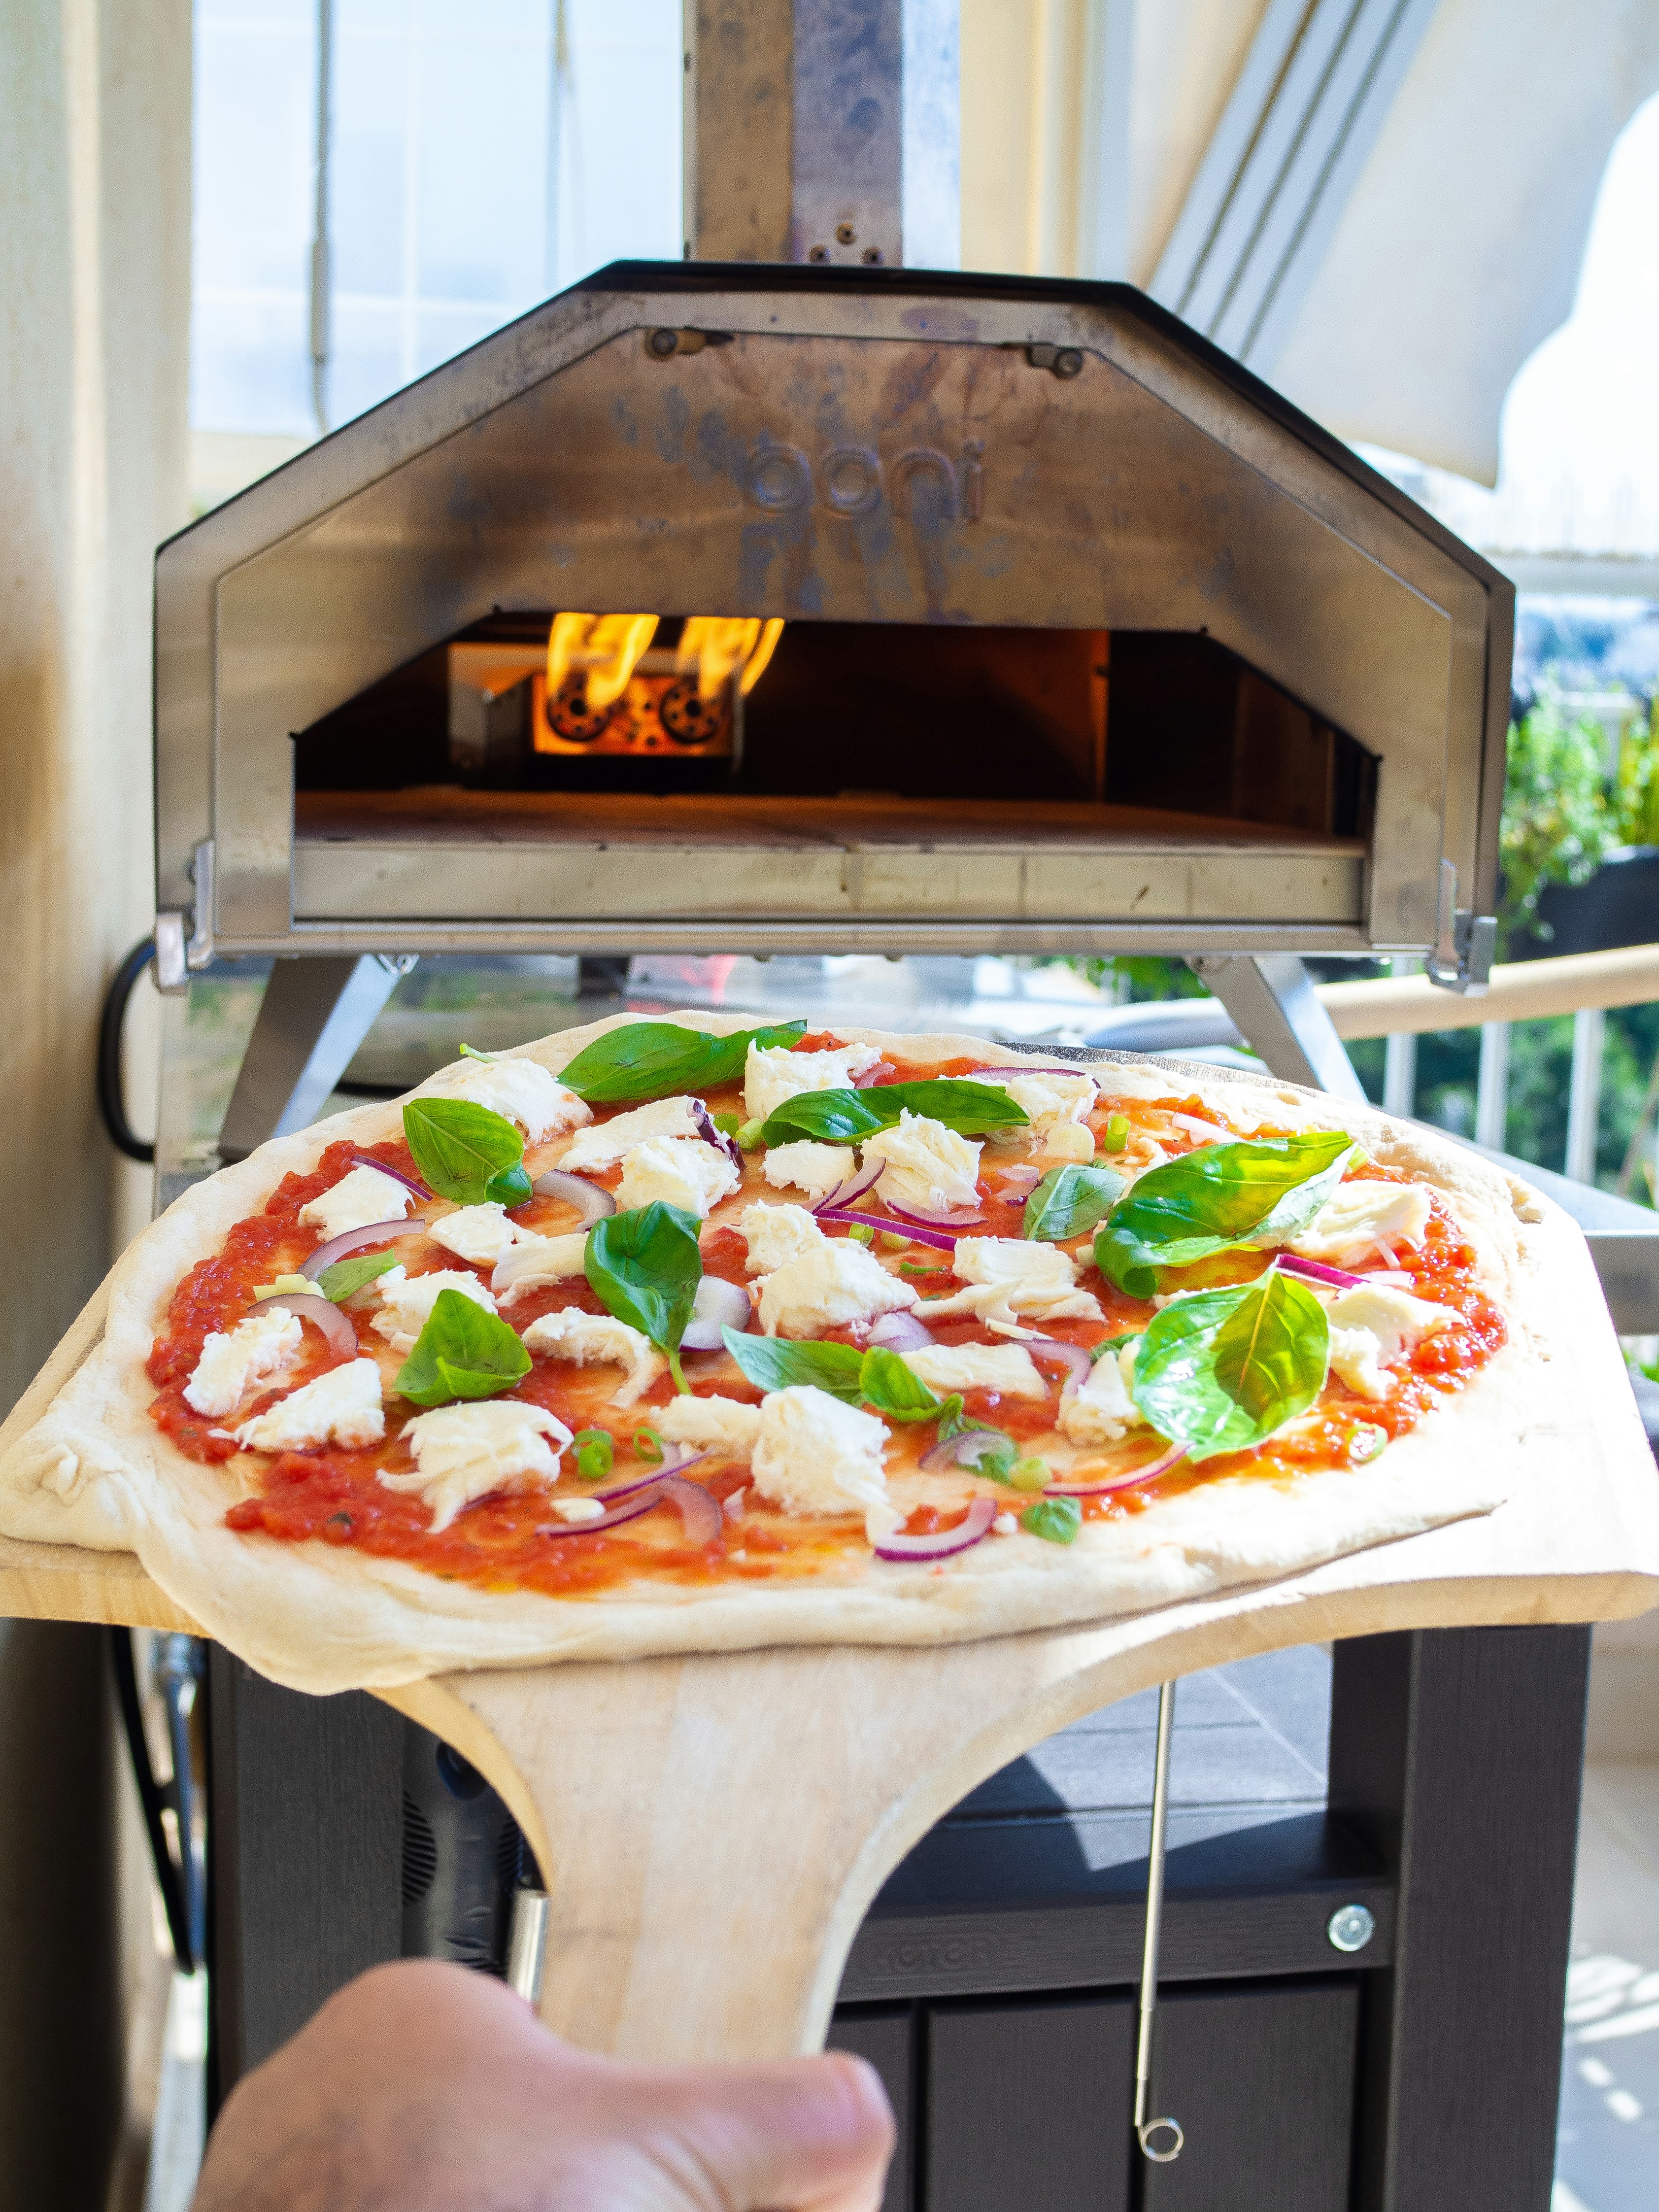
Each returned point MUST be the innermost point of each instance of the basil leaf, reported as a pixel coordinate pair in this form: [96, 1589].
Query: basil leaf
[512, 1186]
[461, 1148]
[972, 1108]
[1070, 1200]
[645, 1267]
[345, 1276]
[837, 1117]
[463, 1352]
[1222, 1369]
[1056, 1520]
[953, 1422]
[886, 1384]
[649, 1060]
[1214, 1198]
[776, 1363]
[728, 1055]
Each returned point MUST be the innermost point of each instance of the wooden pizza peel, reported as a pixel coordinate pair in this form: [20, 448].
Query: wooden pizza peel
[714, 1828]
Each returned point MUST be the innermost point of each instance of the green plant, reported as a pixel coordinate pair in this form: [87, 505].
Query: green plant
[1558, 821]
[1636, 787]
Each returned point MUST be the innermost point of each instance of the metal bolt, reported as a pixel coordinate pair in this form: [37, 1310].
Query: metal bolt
[845, 234]
[818, 253]
[1068, 361]
[872, 256]
[1350, 1927]
[661, 344]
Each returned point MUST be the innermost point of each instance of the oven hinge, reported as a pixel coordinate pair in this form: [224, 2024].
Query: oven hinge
[177, 956]
[1464, 943]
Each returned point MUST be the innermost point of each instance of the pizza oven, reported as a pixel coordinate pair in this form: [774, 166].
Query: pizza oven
[793, 599]
[762, 608]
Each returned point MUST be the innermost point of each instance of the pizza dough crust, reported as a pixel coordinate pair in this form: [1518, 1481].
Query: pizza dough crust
[96, 1471]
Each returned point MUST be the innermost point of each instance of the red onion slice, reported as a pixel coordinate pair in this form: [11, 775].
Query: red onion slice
[1170, 1458]
[1292, 1263]
[900, 1332]
[943, 1543]
[322, 1313]
[1022, 1181]
[408, 1182]
[717, 1138]
[719, 1305]
[855, 1187]
[1031, 1067]
[638, 1482]
[641, 1501]
[1071, 1356]
[699, 1512]
[871, 1221]
[358, 1240]
[593, 1203]
[960, 1218]
[966, 1448]
[873, 1074]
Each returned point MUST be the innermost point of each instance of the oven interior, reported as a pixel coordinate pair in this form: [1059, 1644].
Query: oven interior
[1165, 722]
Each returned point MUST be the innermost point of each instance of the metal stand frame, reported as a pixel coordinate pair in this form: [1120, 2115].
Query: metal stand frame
[315, 1014]
[1271, 998]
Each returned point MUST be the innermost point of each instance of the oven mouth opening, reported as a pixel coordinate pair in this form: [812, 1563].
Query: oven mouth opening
[894, 717]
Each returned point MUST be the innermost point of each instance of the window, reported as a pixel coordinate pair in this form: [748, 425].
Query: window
[481, 155]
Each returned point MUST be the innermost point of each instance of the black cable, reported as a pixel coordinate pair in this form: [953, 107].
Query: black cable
[112, 1103]
[149, 1797]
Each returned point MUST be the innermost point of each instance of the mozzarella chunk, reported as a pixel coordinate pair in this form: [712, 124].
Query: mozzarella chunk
[406, 1303]
[772, 1074]
[1359, 1217]
[1374, 1326]
[533, 1262]
[816, 1169]
[928, 1167]
[679, 1171]
[464, 1452]
[341, 1408]
[836, 1285]
[1099, 1410]
[356, 1201]
[1050, 1097]
[520, 1090]
[814, 1456]
[717, 1425]
[1063, 1141]
[1004, 1367]
[596, 1338]
[1009, 1276]
[230, 1361]
[607, 1142]
[478, 1233]
[778, 1234]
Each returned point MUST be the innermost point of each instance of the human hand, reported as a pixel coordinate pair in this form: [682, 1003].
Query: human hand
[426, 2088]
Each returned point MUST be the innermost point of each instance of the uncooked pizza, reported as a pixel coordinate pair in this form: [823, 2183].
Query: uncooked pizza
[672, 1335]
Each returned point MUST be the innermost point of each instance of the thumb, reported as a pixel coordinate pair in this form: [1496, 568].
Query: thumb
[811, 2134]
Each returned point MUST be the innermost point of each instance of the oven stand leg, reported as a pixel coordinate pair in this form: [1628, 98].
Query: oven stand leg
[1271, 999]
[1160, 2140]
[316, 1012]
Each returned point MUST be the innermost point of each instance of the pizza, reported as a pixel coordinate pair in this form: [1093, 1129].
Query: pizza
[674, 1335]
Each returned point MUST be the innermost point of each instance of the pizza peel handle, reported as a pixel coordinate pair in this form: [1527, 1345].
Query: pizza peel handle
[713, 1829]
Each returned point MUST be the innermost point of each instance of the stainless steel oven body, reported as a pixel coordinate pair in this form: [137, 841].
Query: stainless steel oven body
[831, 446]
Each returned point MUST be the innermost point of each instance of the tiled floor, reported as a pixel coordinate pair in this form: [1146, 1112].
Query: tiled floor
[1608, 2157]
